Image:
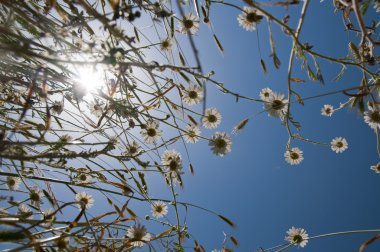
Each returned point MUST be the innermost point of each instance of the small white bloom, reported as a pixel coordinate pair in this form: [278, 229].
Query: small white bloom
[138, 235]
[212, 118]
[220, 143]
[276, 105]
[265, 94]
[192, 95]
[159, 209]
[192, 134]
[96, 108]
[339, 144]
[133, 149]
[84, 200]
[294, 156]
[57, 107]
[189, 23]
[24, 212]
[372, 118]
[327, 110]
[297, 236]
[166, 44]
[151, 133]
[35, 196]
[172, 162]
[13, 183]
[249, 18]
[83, 176]
[376, 168]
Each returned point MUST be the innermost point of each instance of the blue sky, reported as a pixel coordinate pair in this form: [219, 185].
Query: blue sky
[253, 185]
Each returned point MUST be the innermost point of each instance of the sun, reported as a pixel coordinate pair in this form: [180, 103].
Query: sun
[91, 77]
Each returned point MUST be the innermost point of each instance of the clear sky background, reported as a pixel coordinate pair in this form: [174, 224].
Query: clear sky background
[253, 185]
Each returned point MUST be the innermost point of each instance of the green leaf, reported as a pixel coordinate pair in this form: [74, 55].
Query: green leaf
[263, 66]
[136, 34]
[299, 98]
[220, 47]
[182, 59]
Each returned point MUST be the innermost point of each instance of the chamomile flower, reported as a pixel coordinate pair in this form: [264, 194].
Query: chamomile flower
[249, 18]
[172, 162]
[35, 196]
[339, 144]
[96, 108]
[57, 107]
[297, 236]
[24, 212]
[166, 44]
[376, 168]
[193, 95]
[327, 110]
[189, 24]
[151, 133]
[372, 118]
[220, 143]
[13, 183]
[84, 200]
[192, 134]
[159, 209]
[138, 236]
[294, 156]
[265, 94]
[276, 105]
[83, 176]
[212, 118]
[133, 149]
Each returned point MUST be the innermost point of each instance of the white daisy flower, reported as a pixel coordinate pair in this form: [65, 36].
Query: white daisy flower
[65, 138]
[84, 200]
[339, 144]
[294, 156]
[192, 95]
[220, 143]
[24, 212]
[35, 196]
[138, 235]
[172, 162]
[327, 110]
[159, 209]
[57, 107]
[376, 168]
[212, 118]
[189, 23]
[265, 94]
[249, 18]
[151, 133]
[297, 236]
[96, 108]
[166, 44]
[372, 118]
[276, 105]
[133, 149]
[192, 134]
[83, 176]
[13, 183]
